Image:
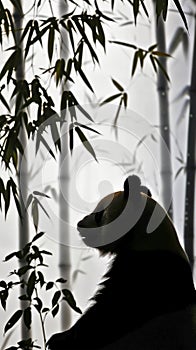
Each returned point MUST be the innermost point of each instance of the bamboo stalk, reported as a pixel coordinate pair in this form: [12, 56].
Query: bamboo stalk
[190, 165]
[163, 92]
[64, 234]
[22, 161]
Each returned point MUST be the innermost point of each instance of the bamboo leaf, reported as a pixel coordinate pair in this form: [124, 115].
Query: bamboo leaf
[45, 309]
[84, 78]
[51, 37]
[118, 111]
[56, 298]
[68, 296]
[46, 252]
[118, 86]
[179, 171]
[68, 96]
[64, 100]
[10, 64]
[23, 270]
[15, 195]
[37, 236]
[180, 160]
[41, 278]
[37, 193]
[136, 9]
[135, 61]
[59, 70]
[26, 29]
[36, 27]
[152, 47]
[27, 317]
[40, 34]
[125, 99]
[2, 191]
[84, 112]
[87, 127]
[84, 36]
[101, 14]
[28, 44]
[39, 304]
[71, 139]
[165, 7]
[70, 27]
[9, 15]
[160, 54]
[153, 63]
[42, 207]
[7, 197]
[101, 34]
[141, 56]
[123, 44]
[31, 284]
[111, 98]
[2, 99]
[6, 24]
[29, 200]
[68, 69]
[61, 280]
[177, 3]
[162, 68]
[55, 310]
[80, 53]
[47, 146]
[85, 142]
[176, 40]
[49, 285]
[4, 296]
[3, 284]
[144, 8]
[10, 256]
[35, 213]
[185, 43]
[24, 297]
[13, 320]
[55, 135]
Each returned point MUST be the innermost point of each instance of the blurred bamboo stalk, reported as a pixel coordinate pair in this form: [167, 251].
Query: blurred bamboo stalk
[164, 117]
[64, 234]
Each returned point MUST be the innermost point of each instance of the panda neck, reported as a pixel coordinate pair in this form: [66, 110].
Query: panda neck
[156, 273]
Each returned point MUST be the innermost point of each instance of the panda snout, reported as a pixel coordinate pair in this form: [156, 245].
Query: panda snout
[86, 223]
[81, 223]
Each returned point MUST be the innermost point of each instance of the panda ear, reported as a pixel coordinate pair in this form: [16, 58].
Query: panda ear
[145, 190]
[132, 187]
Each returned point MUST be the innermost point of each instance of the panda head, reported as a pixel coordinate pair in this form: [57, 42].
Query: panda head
[129, 219]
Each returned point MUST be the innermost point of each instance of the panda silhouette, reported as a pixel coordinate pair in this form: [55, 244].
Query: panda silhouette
[147, 299]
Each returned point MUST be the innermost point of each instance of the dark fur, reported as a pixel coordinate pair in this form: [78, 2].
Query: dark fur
[140, 286]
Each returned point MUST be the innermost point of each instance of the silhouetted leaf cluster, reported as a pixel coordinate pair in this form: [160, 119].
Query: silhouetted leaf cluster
[31, 279]
[123, 99]
[141, 54]
[85, 28]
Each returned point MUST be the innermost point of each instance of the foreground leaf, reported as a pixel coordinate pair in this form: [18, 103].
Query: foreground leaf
[13, 320]
[85, 142]
[68, 296]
